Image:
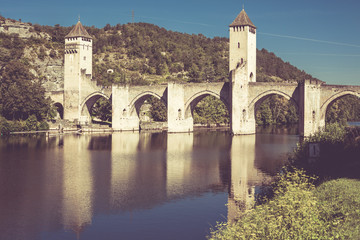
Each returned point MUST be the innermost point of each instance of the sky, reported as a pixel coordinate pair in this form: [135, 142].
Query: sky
[321, 37]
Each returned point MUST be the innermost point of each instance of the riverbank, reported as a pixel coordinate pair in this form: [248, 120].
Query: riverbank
[304, 207]
[299, 210]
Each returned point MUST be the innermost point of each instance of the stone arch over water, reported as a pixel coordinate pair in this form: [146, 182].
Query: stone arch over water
[256, 102]
[195, 99]
[59, 109]
[329, 101]
[89, 102]
[139, 100]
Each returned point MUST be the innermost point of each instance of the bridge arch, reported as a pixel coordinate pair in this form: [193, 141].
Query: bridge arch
[256, 102]
[138, 101]
[196, 98]
[89, 102]
[332, 99]
[60, 109]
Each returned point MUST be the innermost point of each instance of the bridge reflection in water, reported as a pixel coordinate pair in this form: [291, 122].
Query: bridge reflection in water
[61, 186]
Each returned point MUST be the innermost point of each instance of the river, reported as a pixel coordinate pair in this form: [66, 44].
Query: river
[132, 185]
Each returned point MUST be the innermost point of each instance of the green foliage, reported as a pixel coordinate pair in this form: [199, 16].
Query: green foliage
[333, 133]
[31, 123]
[339, 152]
[276, 110]
[341, 200]
[102, 110]
[20, 94]
[294, 212]
[163, 52]
[11, 48]
[42, 54]
[344, 110]
[211, 110]
[17, 126]
[158, 109]
[4, 126]
[106, 78]
[43, 125]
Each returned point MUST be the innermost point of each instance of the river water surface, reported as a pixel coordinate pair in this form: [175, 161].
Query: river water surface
[131, 185]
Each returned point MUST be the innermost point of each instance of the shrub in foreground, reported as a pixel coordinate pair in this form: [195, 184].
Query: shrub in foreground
[339, 153]
[293, 213]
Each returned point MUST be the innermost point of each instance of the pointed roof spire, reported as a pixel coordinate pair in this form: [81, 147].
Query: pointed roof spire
[78, 31]
[242, 20]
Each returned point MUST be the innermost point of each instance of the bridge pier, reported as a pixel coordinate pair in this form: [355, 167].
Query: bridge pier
[122, 118]
[178, 121]
[310, 105]
[71, 105]
[242, 121]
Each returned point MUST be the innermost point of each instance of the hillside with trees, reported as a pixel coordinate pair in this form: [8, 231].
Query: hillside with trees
[145, 54]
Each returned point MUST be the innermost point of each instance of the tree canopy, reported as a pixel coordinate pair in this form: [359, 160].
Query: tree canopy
[20, 94]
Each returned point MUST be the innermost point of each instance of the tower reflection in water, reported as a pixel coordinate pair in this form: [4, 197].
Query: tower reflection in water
[146, 172]
[124, 147]
[244, 176]
[66, 182]
[78, 191]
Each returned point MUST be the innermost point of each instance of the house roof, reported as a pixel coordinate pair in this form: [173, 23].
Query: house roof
[242, 20]
[78, 31]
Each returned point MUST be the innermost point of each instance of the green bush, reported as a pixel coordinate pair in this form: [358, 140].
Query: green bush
[31, 123]
[341, 200]
[339, 153]
[333, 133]
[4, 126]
[18, 126]
[42, 126]
[293, 213]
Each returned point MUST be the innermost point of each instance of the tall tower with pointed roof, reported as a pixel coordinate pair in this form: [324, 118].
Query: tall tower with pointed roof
[243, 45]
[77, 66]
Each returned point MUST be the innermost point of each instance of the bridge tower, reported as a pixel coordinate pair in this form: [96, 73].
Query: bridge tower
[242, 64]
[243, 45]
[78, 68]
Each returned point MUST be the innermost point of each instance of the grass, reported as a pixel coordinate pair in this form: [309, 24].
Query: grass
[341, 200]
[298, 210]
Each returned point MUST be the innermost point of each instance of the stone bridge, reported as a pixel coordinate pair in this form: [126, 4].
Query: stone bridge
[242, 99]
[242, 95]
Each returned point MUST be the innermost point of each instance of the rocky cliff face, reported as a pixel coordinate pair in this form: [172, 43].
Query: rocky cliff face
[50, 70]
[46, 62]
[21, 29]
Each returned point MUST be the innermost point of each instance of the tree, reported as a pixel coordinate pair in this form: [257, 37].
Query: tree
[194, 73]
[162, 69]
[158, 109]
[211, 110]
[20, 94]
[343, 110]
[102, 110]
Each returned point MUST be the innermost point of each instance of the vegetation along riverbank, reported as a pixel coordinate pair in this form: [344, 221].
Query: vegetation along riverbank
[314, 197]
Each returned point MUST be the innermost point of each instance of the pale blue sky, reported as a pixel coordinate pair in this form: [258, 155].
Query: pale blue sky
[321, 37]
